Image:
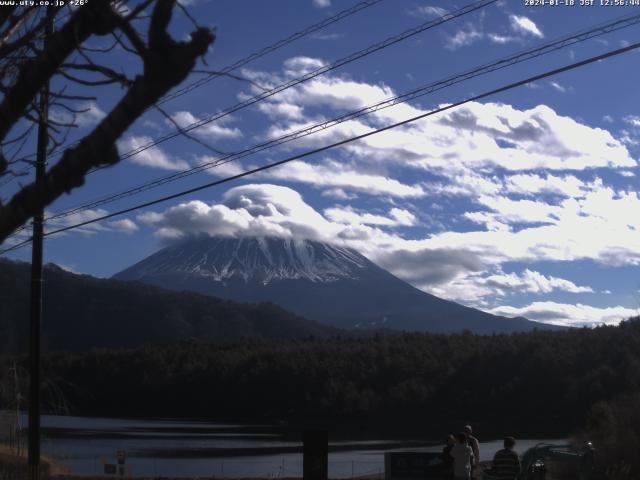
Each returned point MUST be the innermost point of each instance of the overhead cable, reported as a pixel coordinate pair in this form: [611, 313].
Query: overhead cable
[529, 54]
[253, 171]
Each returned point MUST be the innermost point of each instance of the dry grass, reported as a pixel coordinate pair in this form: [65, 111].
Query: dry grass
[12, 464]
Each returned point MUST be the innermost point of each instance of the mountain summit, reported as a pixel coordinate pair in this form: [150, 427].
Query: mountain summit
[323, 282]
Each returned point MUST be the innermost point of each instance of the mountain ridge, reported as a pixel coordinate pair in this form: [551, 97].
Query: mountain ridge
[81, 312]
[323, 282]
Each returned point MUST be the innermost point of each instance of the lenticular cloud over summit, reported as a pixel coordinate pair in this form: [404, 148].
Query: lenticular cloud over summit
[246, 211]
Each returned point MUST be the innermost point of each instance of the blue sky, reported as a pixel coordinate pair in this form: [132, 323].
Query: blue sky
[523, 204]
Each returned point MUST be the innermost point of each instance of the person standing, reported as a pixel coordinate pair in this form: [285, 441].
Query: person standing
[462, 457]
[506, 463]
[475, 447]
[447, 469]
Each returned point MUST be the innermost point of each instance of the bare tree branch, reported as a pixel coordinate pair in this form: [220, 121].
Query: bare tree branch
[125, 47]
[20, 173]
[64, 96]
[101, 69]
[136, 11]
[8, 48]
[6, 12]
[18, 138]
[166, 64]
[55, 142]
[22, 144]
[96, 17]
[187, 14]
[84, 48]
[14, 21]
[88, 83]
[68, 108]
[134, 38]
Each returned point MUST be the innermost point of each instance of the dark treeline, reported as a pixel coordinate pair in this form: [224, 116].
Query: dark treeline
[540, 382]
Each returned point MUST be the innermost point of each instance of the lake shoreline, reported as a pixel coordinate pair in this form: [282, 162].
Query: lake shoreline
[83, 447]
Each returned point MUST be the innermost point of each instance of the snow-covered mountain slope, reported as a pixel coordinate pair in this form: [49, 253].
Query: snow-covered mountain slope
[322, 282]
[262, 259]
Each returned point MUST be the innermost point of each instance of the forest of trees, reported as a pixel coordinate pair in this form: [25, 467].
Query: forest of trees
[539, 383]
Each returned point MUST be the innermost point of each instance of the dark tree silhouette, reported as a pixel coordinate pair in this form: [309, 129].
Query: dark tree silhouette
[26, 67]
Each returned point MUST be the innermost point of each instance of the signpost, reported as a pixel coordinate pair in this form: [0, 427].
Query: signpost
[121, 456]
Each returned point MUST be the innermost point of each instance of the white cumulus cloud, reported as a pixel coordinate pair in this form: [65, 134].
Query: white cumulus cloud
[150, 157]
[473, 137]
[428, 11]
[125, 225]
[568, 314]
[464, 37]
[531, 282]
[501, 39]
[349, 215]
[633, 120]
[213, 130]
[525, 25]
[335, 174]
[530, 184]
[91, 114]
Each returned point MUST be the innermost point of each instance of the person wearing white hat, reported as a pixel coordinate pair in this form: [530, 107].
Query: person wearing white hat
[475, 447]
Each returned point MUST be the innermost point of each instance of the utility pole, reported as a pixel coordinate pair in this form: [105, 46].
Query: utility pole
[36, 278]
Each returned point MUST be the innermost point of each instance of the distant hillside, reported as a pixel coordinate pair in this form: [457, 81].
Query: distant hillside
[81, 312]
[320, 281]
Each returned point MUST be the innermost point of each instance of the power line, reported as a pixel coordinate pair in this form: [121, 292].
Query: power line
[310, 75]
[279, 44]
[239, 63]
[315, 73]
[481, 96]
[544, 49]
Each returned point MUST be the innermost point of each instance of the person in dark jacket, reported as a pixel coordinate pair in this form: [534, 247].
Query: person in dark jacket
[506, 463]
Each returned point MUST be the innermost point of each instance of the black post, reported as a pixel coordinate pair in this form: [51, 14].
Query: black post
[36, 284]
[315, 454]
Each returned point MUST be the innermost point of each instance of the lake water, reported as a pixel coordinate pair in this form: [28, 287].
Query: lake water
[188, 448]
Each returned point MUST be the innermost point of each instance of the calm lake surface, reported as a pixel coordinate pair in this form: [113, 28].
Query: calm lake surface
[189, 448]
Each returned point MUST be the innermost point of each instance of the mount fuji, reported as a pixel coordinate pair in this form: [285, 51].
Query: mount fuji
[320, 281]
